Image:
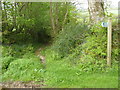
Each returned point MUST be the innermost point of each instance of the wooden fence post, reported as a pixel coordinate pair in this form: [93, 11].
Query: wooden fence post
[109, 42]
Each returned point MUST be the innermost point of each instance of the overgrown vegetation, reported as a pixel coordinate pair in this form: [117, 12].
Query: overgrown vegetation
[75, 50]
[21, 64]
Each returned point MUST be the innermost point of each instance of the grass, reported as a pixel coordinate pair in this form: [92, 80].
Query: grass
[61, 75]
[115, 12]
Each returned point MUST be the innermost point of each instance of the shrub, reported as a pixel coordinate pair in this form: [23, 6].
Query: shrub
[69, 38]
[96, 43]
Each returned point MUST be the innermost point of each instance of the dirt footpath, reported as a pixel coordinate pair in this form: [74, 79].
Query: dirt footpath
[21, 84]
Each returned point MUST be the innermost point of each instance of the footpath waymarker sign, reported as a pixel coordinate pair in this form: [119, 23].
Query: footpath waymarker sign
[109, 39]
[104, 24]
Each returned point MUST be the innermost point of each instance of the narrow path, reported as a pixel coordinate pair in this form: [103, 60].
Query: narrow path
[40, 56]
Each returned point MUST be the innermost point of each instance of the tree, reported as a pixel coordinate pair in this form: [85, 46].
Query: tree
[35, 20]
[66, 14]
[96, 10]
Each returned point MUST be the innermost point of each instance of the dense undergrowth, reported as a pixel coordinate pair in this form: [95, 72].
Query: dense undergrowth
[20, 63]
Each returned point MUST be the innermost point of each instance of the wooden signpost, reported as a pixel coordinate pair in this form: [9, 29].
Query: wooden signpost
[109, 42]
[109, 39]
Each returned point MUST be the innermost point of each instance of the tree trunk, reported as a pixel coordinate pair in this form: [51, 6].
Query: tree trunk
[65, 17]
[52, 18]
[5, 15]
[57, 22]
[96, 10]
[14, 15]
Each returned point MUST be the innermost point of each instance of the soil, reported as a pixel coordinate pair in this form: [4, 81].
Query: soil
[21, 84]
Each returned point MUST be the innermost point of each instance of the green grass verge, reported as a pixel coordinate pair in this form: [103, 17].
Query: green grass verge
[59, 74]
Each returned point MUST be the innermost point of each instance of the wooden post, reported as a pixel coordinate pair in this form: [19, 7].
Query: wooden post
[109, 42]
